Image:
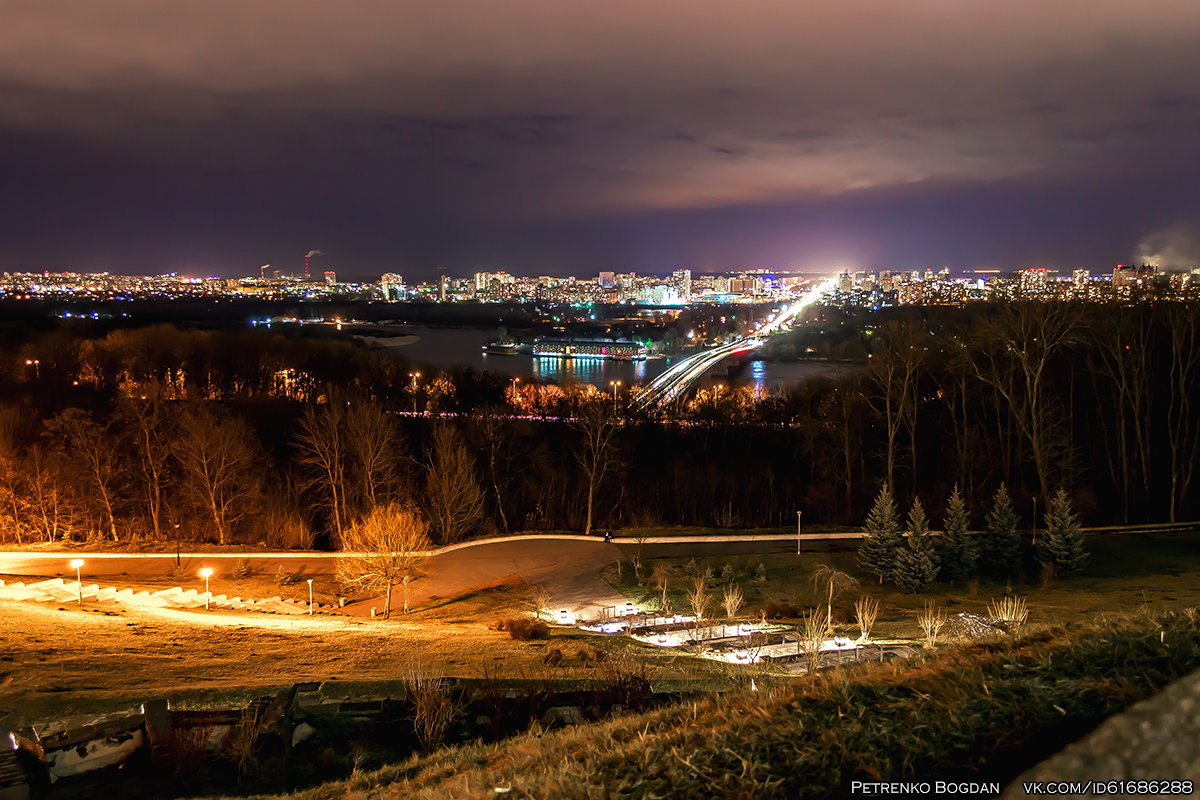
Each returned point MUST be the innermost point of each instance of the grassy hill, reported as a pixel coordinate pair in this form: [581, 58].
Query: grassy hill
[976, 712]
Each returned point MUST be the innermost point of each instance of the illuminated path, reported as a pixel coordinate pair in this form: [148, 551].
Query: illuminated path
[674, 381]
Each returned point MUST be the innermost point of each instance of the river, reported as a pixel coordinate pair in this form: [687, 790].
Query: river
[450, 347]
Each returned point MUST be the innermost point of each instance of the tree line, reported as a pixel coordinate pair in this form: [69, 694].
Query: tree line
[247, 436]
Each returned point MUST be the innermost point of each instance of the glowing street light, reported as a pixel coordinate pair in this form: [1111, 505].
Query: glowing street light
[415, 376]
[76, 563]
[206, 573]
[310, 602]
[615, 385]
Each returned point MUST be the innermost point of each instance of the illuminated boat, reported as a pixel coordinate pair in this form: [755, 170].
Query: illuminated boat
[590, 348]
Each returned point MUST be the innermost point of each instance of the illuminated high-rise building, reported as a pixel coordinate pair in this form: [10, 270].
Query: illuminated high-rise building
[683, 282]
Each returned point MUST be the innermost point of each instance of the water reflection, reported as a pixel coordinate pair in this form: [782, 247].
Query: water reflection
[597, 372]
[449, 347]
[758, 375]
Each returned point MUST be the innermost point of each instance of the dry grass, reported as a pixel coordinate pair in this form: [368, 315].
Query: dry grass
[911, 721]
[814, 629]
[105, 657]
[1013, 610]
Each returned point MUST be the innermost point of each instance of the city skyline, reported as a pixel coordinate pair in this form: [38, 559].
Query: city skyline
[557, 140]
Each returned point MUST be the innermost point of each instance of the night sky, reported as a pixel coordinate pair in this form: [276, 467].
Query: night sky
[569, 136]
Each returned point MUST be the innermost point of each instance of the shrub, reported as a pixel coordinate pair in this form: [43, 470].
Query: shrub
[524, 630]
[285, 578]
[780, 610]
[241, 570]
[553, 657]
[866, 610]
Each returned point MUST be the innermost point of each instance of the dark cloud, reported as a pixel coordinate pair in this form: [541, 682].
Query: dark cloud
[540, 135]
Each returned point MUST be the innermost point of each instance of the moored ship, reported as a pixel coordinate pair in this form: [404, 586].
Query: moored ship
[590, 348]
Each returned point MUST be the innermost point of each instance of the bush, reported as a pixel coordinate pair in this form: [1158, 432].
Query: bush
[553, 657]
[285, 578]
[780, 610]
[241, 570]
[524, 630]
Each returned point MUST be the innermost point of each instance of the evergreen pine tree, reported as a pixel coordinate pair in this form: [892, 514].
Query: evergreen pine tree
[1061, 547]
[882, 540]
[1002, 542]
[958, 556]
[916, 566]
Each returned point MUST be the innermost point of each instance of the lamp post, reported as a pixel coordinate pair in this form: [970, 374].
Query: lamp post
[77, 563]
[206, 573]
[37, 366]
[310, 602]
[1034, 541]
[797, 532]
[615, 386]
[416, 376]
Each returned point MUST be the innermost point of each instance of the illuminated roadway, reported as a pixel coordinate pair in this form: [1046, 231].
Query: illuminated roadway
[675, 380]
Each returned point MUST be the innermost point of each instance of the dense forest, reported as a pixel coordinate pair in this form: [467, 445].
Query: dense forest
[247, 436]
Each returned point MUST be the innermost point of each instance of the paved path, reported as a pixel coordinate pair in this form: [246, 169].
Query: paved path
[568, 567]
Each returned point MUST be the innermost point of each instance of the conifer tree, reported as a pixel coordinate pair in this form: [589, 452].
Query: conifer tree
[882, 540]
[1061, 548]
[916, 566]
[1002, 542]
[958, 555]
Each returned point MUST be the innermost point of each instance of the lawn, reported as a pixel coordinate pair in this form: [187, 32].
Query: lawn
[1124, 572]
[981, 713]
[59, 659]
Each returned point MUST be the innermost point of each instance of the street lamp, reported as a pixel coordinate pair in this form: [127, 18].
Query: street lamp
[77, 563]
[797, 532]
[206, 573]
[310, 602]
[37, 366]
[415, 376]
[615, 385]
[1034, 541]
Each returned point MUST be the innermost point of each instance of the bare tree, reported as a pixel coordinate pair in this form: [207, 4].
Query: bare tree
[149, 429]
[698, 599]
[495, 437]
[733, 600]
[49, 506]
[373, 442]
[1122, 352]
[386, 547]
[866, 610]
[662, 579]
[829, 583]
[89, 444]
[1026, 340]
[597, 426]
[896, 363]
[1183, 323]
[218, 457]
[451, 488]
[931, 618]
[321, 450]
[540, 597]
